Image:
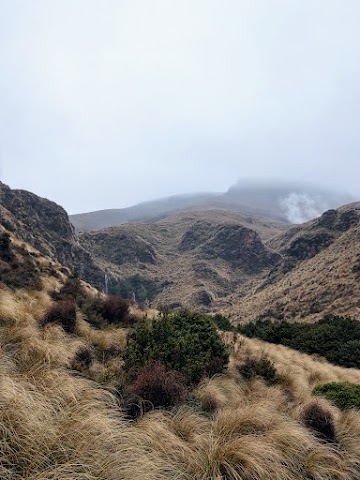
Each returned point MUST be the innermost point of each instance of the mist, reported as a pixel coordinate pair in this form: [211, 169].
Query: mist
[107, 104]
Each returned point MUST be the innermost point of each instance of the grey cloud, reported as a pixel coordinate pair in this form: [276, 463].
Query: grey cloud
[104, 104]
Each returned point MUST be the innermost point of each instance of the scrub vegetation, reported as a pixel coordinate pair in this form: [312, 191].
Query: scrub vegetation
[81, 402]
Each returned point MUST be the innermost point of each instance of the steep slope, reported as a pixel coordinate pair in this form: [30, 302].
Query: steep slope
[318, 275]
[193, 258]
[280, 201]
[46, 227]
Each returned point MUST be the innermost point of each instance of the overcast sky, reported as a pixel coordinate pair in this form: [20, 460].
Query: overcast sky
[105, 103]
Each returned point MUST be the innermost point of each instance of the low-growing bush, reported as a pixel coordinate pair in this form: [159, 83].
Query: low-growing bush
[83, 359]
[142, 288]
[101, 311]
[6, 253]
[115, 310]
[63, 313]
[345, 395]
[222, 323]
[337, 339]
[259, 368]
[319, 420]
[156, 384]
[186, 342]
[72, 290]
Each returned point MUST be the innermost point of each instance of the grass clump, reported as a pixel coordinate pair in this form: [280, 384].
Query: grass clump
[186, 342]
[345, 395]
[319, 420]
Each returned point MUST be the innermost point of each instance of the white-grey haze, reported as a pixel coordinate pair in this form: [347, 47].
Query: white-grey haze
[108, 103]
[300, 207]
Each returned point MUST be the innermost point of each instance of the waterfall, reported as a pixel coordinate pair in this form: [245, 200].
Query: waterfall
[106, 284]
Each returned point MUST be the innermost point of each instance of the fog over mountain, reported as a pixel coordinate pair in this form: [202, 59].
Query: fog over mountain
[298, 201]
[287, 202]
[108, 104]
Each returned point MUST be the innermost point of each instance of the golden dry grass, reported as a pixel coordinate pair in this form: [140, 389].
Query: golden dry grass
[56, 424]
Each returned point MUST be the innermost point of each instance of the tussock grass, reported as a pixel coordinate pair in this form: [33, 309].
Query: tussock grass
[59, 424]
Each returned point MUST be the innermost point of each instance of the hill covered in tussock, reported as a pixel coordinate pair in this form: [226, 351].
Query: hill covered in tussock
[60, 420]
[95, 388]
[193, 259]
[318, 275]
[212, 260]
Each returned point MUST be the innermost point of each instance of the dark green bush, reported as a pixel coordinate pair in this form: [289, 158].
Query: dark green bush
[259, 368]
[222, 323]
[142, 288]
[337, 339]
[344, 394]
[185, 342]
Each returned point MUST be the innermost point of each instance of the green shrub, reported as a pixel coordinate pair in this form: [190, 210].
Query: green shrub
[344, 394]
[259, 368]
[185, 342]
[337, 339]
[142, 288]
[222, 323]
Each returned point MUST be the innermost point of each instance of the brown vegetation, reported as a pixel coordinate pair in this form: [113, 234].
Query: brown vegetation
[57, 424]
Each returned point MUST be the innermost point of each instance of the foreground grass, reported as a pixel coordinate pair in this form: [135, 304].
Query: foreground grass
[57, 424]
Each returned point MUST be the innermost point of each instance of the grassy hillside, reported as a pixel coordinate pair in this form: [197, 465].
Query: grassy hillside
[319, 274]
[62, 420]
[193, 259]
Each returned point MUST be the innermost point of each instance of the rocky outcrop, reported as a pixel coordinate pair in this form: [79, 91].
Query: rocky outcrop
[46, 227]
[238, 245]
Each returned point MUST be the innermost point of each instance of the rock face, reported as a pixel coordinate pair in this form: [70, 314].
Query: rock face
[123, 248]
[46, 226]
[40, 222]
[238, 245]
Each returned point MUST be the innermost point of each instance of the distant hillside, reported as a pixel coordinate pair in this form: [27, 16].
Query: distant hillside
[207, 259]
[188, 259]
[319, 273]
[280, 201]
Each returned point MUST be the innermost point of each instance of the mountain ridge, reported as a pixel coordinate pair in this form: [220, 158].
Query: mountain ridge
[279, 201]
